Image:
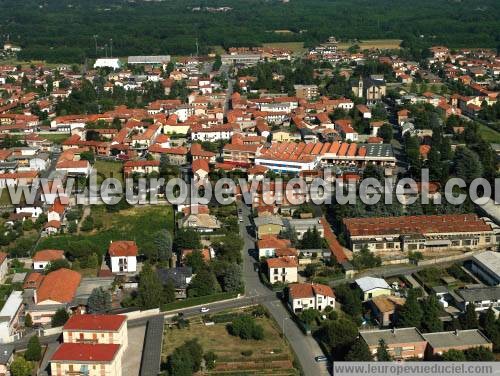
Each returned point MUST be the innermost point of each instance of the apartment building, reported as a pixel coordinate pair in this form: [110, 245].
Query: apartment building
[402, 343]
[282, 269]
[302, 296]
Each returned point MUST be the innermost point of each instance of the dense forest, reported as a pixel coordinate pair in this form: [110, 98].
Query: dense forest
[64, 30]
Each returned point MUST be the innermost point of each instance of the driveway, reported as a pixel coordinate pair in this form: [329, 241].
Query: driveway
[131, 363]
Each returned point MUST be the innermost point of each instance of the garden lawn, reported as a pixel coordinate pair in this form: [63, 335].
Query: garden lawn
[229, 348]
[108, 169]
[139, 223]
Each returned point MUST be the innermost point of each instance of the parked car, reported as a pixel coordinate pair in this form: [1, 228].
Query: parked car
[204, 309]
[321, 358]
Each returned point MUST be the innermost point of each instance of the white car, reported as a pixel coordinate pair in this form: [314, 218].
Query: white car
[204, 309]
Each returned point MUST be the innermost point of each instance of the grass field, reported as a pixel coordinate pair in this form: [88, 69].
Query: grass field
[489, 134]
[139, 223]
[108, 169]
[295, 47]
[229, 349]
[383, 44]
[56, 138]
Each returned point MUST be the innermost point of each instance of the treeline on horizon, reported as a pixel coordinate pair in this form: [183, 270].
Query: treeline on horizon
[63, 30]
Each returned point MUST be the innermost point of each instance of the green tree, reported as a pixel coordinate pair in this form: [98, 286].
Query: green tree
[309, 315]
[467, 164]
[410, 314]
[169, 292]
[430, 319]
[382, 352]
[232, 280]
[34, 351]
[187, 239]
[150, 288]
[469, 318]
[245, 327]
[57, 264]
[453, 356]
[163, 242]
[339, 335]
[204, 283]
[210, 359]
[186, 359]
[59, 318]
[28, 321]
[386, 132]
[21, 367]
[195, 260]
[359, 352]
[99, 300]
[350, 299]
[479, 354]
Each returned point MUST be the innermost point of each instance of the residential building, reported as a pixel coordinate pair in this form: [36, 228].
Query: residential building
[371, 88]
[307, 92]
[4, 266]
[402, 343]
[440, 342]
[282, 269]
[419, 233]
[123, 256]
[9, 317]
[86, 359]
[384, 308]
[302, 296]
[269, 244]
[44, 257]
[482, 298]
[6, 358]
[179, 276]
[266, 225]
[373, 287]
[96, 329]
[56, 290]
[302, 225]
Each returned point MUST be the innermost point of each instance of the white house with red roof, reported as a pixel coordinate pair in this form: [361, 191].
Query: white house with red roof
[302, 296]
[96, 329]
[44, 257]
[123, 256]
[282, 269]
[87, 359]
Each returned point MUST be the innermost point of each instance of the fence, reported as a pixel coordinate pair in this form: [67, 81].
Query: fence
[461, 256]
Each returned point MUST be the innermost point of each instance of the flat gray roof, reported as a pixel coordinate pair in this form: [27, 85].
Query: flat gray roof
[479, 294]
[379, 150]
[392, 336]
[153, 59]
[471, 337]
[489, 260]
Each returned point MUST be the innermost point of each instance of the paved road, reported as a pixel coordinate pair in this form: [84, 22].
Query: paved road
[304, 346]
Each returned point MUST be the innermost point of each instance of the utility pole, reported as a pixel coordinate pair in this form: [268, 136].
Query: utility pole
[197, 47]
[106, 49]
[111, 47]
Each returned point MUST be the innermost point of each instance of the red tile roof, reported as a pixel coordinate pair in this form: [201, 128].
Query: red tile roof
[3, 257]
[282, 262]
[59, 286]
[48, 255]
[101, 323]
[419, 224]
[123, 248]
[83, 352]
[335, 247]
[307, 290]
